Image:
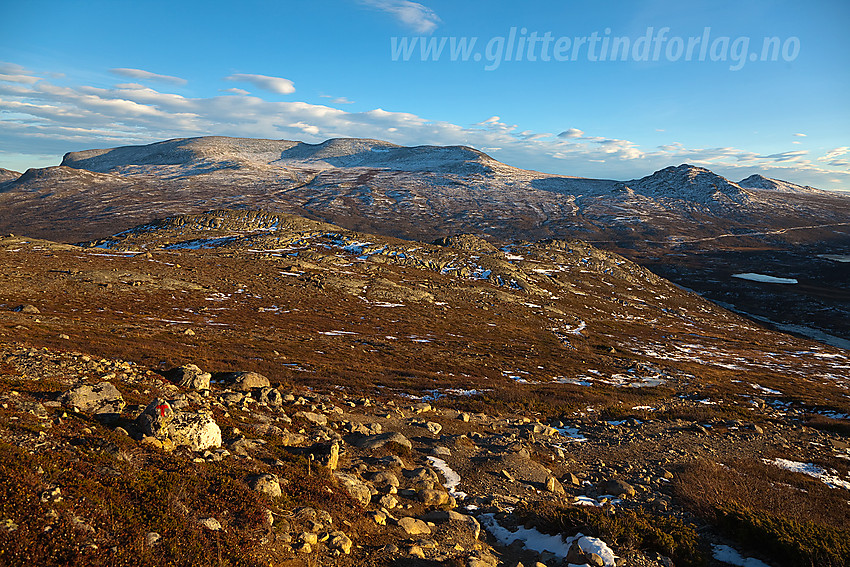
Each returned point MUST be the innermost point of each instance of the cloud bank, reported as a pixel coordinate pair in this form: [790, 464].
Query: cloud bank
[40, 118]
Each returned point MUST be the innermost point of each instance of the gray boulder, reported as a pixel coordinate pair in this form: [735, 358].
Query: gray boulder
[246, 381]
[266, 483]
[191, 377]
[156, 418]
[99, 398]
[196, 430]
[355, 487]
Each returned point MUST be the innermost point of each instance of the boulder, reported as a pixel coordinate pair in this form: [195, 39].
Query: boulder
[413, 526]
[99, 398]
[618, 487]
[341, 542]
[378, 441]
[246, 381]
[156, 418]
[312, 417]
[191, 377]
[433, 497]
[266, 483]
[196, 430]
[356, 488]
[27, 308]
[270, 396]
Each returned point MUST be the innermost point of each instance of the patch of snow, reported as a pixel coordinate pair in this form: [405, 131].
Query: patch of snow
[452, 478]
[726, 554]
[764, 279]
[761, 388]
[336, 333]
[811, 470]
[572, 434]
[531, 538]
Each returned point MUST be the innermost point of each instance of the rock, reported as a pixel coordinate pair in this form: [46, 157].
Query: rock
[196, 430]
[332, 461]
[268, 518]
[413, 526]
[433, 497]
[156, 418]
[266, 484]
[553, 486]
[191, 377]
[316, 418]
[572, 479]
[433, 427]
[416, 551]
[385, 478]
[619, 488]
[340, 541]
[388, 501]
[506, 475]
[591, 551]
[101, 398]
[356, 488]
[303, 547]
[246, 381]
[270, 396]
[152, 538]
[378, 441]
[378, 517]
[421, 407]
[440, 451]
[290, 439]
[27, 308]
[211, 524]
[309, 538]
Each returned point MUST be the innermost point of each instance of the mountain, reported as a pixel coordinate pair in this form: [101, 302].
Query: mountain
[685, 222]
[8, 175]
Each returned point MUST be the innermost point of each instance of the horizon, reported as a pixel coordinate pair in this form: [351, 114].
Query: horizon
[576, 90]
[683, 164]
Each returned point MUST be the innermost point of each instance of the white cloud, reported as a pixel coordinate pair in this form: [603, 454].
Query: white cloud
[799, 135]
[571, 133]
[272, 84]
[39, 118]
[338, 99]
[834, 153]
[147, 75]
[234, 90]
[419, 18]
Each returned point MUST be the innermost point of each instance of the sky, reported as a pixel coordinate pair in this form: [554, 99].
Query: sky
[594, 88]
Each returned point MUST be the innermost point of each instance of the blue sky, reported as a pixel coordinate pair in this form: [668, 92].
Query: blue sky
[78, 75]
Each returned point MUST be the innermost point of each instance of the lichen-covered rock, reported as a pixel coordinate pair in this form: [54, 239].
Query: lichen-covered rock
[378, 441]
[246, 381]
[413, 526]
[266, 483]
[156, 418]
[196, 430]
[191, 377]
[355, 487]
[99, 398]
[270, 396]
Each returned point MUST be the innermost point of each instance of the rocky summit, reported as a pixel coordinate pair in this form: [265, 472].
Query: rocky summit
[256, 388]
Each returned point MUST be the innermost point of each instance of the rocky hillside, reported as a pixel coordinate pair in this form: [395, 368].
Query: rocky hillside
[685, 222]
[253, 388]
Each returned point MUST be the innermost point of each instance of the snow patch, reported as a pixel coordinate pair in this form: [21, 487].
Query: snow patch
[764, 279]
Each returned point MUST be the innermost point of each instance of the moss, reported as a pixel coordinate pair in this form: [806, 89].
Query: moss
[786, 541]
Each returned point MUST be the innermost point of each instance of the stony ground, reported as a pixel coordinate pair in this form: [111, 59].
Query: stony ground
[271, 391]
